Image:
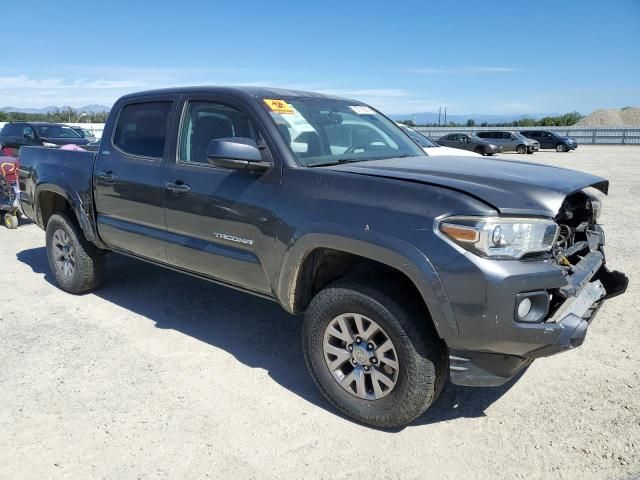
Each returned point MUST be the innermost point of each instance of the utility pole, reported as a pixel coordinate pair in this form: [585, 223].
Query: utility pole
[445, 116]
[439, 113]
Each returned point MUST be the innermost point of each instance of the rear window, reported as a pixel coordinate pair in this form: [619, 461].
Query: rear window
[56, 131]
[11, 129]
[142, 129]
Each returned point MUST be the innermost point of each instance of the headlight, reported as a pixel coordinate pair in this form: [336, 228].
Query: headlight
[596, 207]
[500, 237]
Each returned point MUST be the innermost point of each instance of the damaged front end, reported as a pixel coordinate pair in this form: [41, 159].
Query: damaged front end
[579, 252]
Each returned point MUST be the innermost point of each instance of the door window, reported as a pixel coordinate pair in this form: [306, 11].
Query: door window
[142, 129]
[206, 121]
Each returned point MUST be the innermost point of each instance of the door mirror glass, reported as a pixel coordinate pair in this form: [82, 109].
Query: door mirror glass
[238, 153]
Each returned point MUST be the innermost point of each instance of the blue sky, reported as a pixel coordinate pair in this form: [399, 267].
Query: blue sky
[402, 57]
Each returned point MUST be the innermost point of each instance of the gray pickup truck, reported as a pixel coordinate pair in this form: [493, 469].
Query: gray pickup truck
[410, 269]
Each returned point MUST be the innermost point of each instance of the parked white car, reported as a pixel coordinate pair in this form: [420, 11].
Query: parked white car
[433, 149]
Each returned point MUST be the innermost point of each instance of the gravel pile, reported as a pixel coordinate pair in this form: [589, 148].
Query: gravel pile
[611, 117]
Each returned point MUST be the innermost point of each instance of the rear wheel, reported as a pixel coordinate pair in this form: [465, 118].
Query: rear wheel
[521, 149]
[561, 147]
[77, 265]
[481, 150]
[373, 354]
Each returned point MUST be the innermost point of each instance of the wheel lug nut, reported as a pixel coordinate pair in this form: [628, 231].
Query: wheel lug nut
[354, 361]
[374, 360]
[358, 340]
[366, 368]
[369, 346]
[350, 347]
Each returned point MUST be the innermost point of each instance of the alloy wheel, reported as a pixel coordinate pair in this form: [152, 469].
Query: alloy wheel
[360, 356]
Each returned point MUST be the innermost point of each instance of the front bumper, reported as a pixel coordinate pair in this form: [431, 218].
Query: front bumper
[493, 348]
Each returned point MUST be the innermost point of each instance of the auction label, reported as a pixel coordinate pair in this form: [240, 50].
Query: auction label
[279, 106]
[362, 110]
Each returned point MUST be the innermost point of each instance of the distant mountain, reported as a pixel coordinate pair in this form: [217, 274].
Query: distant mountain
[86, 109]
[422, 118]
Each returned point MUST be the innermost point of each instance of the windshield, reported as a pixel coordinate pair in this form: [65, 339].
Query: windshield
[57, 131]
[423, 141]
[322, 131]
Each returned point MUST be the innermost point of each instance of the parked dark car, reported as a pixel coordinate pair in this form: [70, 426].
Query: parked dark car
[469, 141]
[88, 134]
[21, 134]
[410, 269]
[551, 140]
[510, 141]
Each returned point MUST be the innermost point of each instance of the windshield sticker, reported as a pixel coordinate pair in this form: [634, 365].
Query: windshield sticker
[279, 106]
[362, 110]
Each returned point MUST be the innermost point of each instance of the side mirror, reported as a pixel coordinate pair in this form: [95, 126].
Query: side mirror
[238, 153]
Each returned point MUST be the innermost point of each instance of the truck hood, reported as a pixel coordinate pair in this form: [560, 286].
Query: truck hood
[511, 187]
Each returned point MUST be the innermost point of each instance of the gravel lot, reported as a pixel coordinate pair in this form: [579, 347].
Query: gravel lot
[159, 375]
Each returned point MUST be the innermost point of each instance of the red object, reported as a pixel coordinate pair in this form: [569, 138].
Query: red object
[9, 152]
[9, 168]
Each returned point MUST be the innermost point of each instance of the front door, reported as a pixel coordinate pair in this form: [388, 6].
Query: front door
[220, 221]
[128, 179]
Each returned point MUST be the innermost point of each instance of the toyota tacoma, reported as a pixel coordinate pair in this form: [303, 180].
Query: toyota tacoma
[409, 269]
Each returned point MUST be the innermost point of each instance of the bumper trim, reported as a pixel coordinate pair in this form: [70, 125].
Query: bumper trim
[478, 369]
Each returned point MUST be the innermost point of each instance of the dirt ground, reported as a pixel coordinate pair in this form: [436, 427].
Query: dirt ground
[160, 375]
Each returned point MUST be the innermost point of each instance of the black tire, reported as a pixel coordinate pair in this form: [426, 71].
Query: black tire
[422, 356]
[530, 151]
[521, 149]
[561, 147]
[481, 150]
[88, 262]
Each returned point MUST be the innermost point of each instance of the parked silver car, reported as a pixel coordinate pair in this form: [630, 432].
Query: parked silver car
[471, 142]
[511, 141]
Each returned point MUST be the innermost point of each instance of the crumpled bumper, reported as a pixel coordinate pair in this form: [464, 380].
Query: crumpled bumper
[564, 328]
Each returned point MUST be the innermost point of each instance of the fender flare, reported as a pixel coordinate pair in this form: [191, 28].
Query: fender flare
[73, 198]
[390, 251]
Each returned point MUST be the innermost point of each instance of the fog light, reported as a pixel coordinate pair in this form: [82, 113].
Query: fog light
[524, 307]
[531, 307]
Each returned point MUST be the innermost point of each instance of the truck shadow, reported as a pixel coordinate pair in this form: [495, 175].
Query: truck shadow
[255, 331]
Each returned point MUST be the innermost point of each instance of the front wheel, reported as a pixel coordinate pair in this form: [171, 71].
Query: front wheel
[481, 151]
[561, 148]
[77, 265]
[375, 356]
[521, 149]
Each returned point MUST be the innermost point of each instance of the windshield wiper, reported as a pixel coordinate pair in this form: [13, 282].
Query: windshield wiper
[336, 162]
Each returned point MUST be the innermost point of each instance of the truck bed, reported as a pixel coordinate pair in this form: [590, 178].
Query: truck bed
[66, 170]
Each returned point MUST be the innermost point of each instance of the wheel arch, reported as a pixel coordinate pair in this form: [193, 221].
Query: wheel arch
[316, 259]
[51, 198]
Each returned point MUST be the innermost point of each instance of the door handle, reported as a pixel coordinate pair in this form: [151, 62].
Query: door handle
[107, 176]
[178, 187]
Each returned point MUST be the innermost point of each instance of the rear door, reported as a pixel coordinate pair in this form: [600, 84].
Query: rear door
[128, 177]
[221, 222]
[547, 140]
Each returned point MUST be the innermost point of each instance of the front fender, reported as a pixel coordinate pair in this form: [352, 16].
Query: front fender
[374, 246]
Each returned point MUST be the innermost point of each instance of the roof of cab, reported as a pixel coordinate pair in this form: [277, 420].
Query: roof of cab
[255, 92]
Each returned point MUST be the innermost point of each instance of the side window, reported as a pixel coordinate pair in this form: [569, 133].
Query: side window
[484, 134]
[27, 131]
[142, 129]
[206, 121]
